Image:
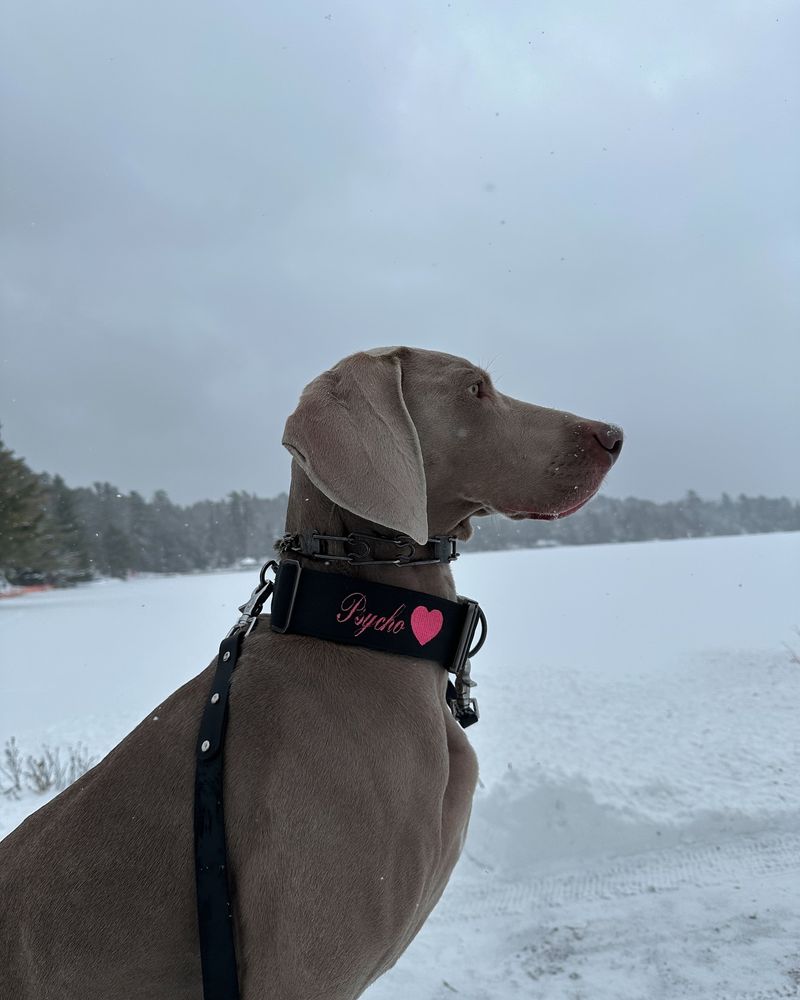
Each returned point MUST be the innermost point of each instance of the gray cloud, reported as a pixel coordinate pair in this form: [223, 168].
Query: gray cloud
[206, 205]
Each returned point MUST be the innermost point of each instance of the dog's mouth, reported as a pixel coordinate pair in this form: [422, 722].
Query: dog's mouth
[526, 513]
[558, 510]
[529, 515]
[538, 515]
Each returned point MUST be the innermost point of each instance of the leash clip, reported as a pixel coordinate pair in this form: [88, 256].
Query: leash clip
[251, 609]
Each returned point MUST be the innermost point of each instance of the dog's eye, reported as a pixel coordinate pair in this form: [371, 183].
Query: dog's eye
[476, 389]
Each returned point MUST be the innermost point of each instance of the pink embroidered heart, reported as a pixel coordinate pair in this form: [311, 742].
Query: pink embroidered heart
[426, 625]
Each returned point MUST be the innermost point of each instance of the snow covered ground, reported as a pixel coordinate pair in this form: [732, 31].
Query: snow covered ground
[637, 832]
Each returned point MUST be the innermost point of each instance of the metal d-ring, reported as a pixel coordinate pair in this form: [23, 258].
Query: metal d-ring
[262, 576]
[484, 629]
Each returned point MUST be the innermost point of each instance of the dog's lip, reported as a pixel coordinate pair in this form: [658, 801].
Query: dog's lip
[523, 514]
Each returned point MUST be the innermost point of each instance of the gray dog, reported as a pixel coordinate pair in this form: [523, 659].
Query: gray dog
[348, 783]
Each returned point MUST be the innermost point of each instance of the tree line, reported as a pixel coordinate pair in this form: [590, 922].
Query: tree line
[53, 533]
[607, 519]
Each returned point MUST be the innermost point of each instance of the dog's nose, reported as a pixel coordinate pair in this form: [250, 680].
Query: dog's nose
[608, 436]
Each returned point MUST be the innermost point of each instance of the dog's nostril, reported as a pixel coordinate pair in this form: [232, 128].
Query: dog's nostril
[614, 448]
[610, 439]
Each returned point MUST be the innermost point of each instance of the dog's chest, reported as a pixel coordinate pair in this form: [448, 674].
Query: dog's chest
[350, 811]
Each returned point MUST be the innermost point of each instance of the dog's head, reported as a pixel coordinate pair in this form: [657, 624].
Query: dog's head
[419, 442]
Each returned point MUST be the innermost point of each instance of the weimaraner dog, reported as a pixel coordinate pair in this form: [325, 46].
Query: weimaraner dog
[348, 783]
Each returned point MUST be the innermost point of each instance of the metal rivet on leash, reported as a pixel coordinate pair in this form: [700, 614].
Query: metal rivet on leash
[205, 745]
[227, 656]
[215, 698]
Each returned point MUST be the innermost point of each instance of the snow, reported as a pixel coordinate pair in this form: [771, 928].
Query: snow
[637, 829]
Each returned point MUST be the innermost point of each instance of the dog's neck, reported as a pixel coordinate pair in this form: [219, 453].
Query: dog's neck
[310, 510]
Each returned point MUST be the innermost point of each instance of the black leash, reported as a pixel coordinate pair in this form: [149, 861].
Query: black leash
[337, 608]
[214, 911]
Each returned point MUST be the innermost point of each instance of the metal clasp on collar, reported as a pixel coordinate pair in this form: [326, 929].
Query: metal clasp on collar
[461, 704]
[444, 548]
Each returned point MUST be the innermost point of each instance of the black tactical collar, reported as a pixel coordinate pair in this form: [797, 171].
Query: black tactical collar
[340, 608]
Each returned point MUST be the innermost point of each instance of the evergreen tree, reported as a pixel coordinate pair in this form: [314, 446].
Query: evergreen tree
[118, 552]
[23, 524]
[141, 532]
[70, 541]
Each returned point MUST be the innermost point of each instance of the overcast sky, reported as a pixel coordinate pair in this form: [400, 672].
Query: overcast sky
[207, 204]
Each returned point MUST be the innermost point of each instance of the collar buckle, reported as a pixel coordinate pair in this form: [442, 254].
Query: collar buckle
[444, 548]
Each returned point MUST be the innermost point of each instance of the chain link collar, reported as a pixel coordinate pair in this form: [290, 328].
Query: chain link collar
[359, 549]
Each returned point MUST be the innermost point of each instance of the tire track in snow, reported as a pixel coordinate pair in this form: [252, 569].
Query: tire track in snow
[655, 871]
[777, 994]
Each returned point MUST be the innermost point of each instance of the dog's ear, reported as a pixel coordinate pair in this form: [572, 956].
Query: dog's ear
[354, 438]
